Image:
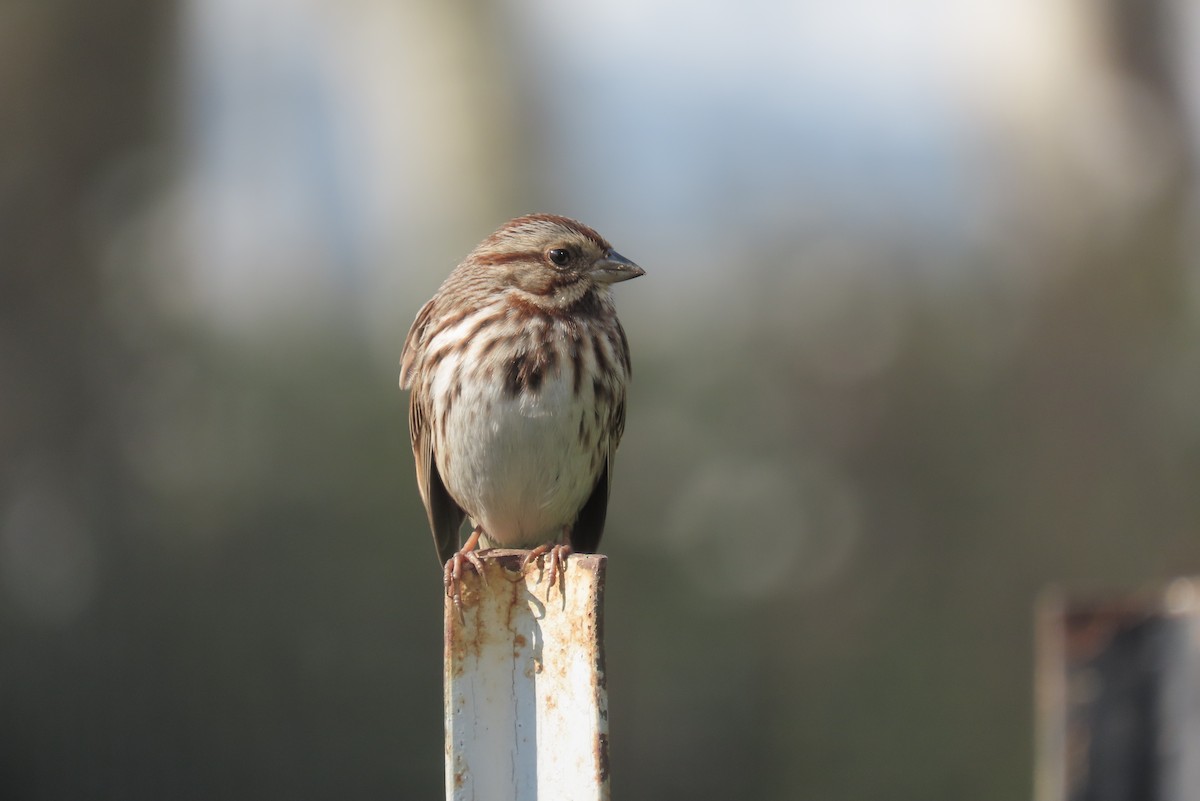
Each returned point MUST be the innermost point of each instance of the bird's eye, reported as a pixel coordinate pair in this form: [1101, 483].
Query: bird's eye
[560, 256]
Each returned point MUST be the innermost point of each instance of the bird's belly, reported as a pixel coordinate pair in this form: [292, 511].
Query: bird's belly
[519, 465]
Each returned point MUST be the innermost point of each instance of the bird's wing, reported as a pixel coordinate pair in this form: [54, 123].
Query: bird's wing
[445, 515]
[585, 534]
[589, 525]
[414, 346]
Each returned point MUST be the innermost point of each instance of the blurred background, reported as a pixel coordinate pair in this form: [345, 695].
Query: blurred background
[919, 336]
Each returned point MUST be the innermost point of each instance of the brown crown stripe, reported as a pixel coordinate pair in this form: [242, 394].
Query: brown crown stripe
[554, 219]
[582, 230]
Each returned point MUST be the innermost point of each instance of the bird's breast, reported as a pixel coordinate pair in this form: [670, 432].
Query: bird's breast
[519, 428]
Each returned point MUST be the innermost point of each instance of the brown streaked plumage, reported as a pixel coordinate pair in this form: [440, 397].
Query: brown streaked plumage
[518, 368]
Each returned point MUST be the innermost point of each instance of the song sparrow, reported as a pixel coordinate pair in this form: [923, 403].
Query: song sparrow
[518, 368]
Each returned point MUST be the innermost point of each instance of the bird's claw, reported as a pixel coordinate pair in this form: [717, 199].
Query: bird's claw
[453, 573]
[558, 562]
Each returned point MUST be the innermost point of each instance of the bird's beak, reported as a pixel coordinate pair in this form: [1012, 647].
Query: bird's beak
[614, 267]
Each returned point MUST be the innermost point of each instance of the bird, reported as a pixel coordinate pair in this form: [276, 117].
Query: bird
[518, 369]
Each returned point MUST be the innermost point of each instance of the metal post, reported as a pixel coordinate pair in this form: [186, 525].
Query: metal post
[526, 703]
[1118, 697]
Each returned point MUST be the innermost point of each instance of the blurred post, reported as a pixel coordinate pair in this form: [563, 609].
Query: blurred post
[525, 693]
[1118, 696]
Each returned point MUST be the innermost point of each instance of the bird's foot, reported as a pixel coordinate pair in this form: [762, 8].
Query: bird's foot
[558, 562]
[453, 572]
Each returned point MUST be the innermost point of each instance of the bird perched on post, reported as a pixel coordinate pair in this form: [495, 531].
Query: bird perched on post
[518, 368]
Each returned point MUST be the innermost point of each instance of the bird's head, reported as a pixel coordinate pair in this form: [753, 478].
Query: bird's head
[554, 261]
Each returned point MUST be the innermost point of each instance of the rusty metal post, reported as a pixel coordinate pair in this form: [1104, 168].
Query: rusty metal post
[1118, 696]
[525, 695]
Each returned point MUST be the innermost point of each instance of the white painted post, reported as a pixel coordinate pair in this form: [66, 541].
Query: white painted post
[1118, 696]
[526, 702]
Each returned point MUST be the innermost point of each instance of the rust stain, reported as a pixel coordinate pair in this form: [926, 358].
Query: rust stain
[602, 757]
[597, 615]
